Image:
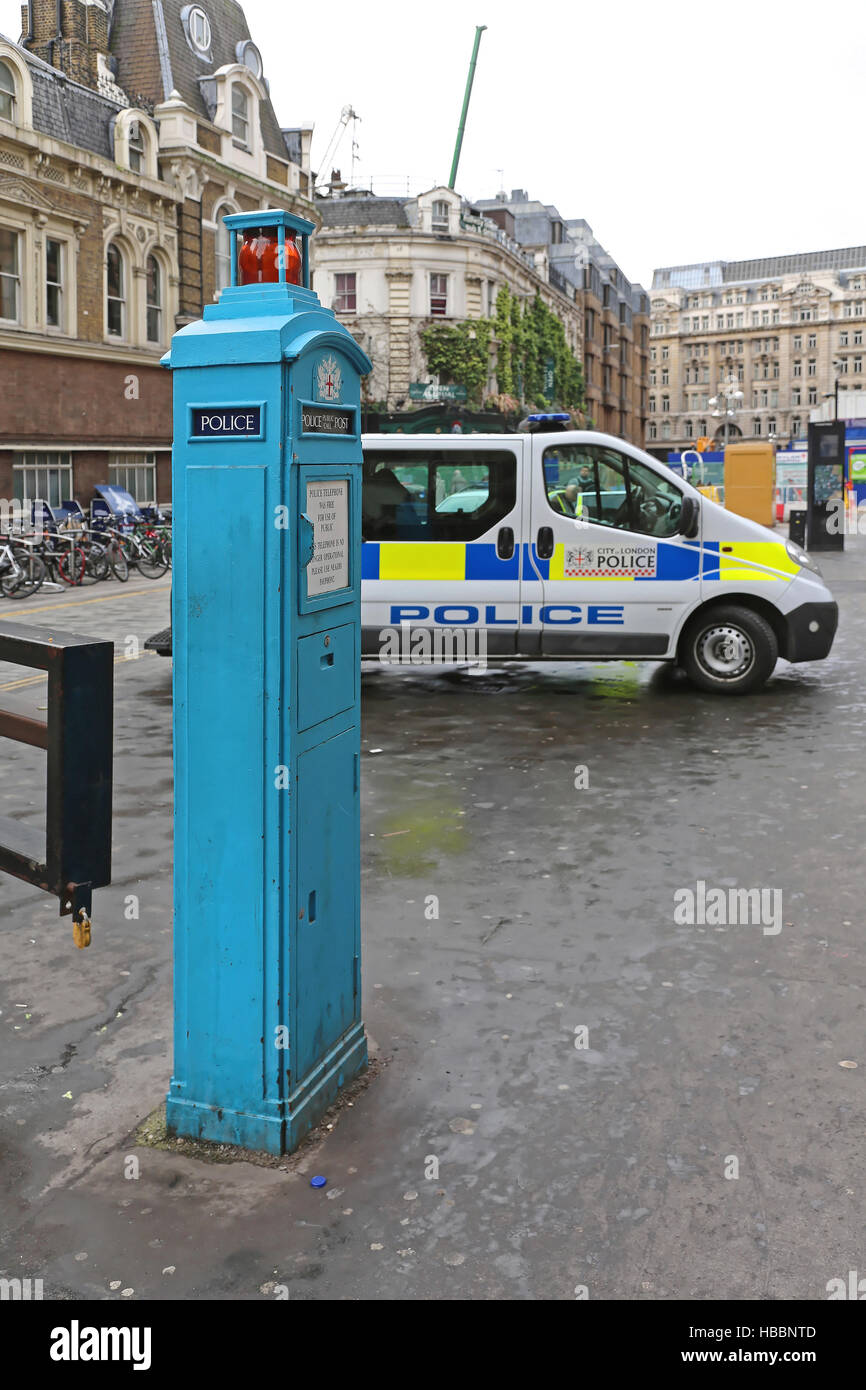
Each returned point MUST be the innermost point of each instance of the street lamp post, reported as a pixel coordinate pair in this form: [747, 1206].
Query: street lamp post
[837, 367]
[727, 403]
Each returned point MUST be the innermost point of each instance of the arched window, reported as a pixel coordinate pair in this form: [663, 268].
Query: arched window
[136, 147]
[240, 114]
[222, 249]
[7, 93]
[154, 301]
[223, 256]
[249, 55]
[135, 142]
[687, 429]
[115, 303]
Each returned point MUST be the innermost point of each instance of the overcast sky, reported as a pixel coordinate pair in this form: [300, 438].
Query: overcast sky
[680, 131]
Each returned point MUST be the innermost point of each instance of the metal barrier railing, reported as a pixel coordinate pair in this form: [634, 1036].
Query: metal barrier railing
[75, 856]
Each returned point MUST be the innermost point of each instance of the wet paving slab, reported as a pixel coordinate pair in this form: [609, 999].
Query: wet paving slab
[587, 1075]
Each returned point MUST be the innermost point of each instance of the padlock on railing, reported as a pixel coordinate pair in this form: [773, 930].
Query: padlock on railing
[81, 929]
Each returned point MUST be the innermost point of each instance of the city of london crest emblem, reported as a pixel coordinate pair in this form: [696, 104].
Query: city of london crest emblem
[329, 380]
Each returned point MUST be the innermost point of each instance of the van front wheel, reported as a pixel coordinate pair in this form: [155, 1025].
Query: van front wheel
[729, 649]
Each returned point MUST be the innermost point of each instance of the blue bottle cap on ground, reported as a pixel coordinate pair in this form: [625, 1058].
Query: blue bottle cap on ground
[318, 1182]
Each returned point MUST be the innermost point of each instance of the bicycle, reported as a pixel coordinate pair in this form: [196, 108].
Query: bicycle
[21, 574]
[160, 534]
[63, 560]
[102, 556]
[145, 553]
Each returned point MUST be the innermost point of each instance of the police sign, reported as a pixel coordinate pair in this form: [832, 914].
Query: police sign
[226, 422]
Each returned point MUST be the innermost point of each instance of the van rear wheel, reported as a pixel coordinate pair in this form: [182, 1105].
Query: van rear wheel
[729, 649]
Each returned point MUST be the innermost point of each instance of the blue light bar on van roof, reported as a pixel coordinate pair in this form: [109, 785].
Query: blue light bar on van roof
[536, 418]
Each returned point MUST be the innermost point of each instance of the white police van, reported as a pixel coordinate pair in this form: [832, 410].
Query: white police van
[559, 544]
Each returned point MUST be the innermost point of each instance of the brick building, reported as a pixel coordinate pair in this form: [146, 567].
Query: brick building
[128, 129]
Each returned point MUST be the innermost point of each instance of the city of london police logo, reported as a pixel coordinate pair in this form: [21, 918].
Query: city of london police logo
[610, 561]
[329, 380]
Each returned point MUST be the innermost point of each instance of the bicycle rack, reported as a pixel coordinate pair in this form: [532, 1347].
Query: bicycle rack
[75, 857]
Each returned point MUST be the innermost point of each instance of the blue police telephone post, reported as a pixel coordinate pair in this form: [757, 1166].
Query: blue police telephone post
[267, 438]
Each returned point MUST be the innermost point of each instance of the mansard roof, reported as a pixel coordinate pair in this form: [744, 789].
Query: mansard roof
[148, 40]
[362, 212]
[66, 110]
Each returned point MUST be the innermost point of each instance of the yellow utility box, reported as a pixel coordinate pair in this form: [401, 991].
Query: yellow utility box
[750, 480]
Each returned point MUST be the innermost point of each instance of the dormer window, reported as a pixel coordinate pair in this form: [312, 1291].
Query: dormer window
[441, 213]
[249, 55]
[7, 93]
[240, 114]
[135, 142]
[197, 29]
[136, 147]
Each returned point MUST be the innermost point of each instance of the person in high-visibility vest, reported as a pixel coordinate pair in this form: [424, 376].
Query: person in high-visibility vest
[565, 499]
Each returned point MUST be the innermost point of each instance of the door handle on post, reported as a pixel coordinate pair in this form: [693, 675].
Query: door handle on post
[544, 542]
[505, 543]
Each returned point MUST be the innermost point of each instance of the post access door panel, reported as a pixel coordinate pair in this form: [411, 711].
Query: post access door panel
[328, 674]
[325, 966]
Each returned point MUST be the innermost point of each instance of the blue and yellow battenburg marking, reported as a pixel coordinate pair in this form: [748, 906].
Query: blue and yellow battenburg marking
[752, 561]
[440, 560]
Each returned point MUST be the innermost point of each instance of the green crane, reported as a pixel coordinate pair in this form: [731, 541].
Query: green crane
[457, 148]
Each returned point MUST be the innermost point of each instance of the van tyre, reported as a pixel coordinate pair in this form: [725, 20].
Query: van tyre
[729, 649]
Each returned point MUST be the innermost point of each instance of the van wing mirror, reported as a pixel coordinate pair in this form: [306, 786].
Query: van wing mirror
[689, 517]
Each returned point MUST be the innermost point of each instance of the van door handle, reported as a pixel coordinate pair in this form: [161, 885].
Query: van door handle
[505, 543]
[544, 543]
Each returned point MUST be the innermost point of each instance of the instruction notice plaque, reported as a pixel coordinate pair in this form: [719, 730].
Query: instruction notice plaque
[328, 510]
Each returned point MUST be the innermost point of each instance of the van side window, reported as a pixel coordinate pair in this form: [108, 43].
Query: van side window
[591, 482]
[443, 496]
[656, 502]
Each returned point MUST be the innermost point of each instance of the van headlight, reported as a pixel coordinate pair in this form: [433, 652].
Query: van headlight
[799, 556]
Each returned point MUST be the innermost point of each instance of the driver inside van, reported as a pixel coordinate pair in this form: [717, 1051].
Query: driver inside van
[383, 494]
[565, 499]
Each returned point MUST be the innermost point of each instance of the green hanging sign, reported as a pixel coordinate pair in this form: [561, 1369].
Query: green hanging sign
[426, 391]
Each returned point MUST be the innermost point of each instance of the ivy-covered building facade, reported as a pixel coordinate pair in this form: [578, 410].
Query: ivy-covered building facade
[616, 313]
[448, 306]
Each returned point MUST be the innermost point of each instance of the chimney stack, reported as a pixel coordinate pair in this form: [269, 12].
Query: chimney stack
[68, 34]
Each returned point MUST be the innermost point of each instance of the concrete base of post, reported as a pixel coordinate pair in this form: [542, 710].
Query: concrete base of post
[277, 1128]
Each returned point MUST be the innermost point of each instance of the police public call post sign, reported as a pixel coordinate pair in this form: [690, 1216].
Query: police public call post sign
[315, 420]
